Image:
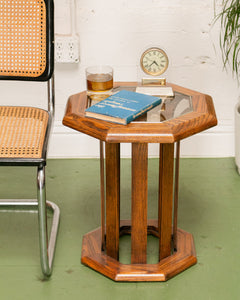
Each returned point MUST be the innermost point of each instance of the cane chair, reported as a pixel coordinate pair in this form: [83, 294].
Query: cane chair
[26, 53]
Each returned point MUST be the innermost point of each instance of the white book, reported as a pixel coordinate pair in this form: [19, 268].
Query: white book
[164, 91]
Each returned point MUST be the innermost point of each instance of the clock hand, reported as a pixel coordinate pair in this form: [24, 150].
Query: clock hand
[154, 62]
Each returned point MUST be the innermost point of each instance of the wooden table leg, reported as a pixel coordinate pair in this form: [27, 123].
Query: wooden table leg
[165, 199]
[102, 189]
[112, 199]
[175, 209]
[139, 203]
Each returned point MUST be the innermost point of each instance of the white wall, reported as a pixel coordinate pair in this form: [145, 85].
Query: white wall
[115, 32]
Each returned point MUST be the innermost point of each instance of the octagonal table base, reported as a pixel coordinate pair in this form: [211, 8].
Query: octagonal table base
[180, 260]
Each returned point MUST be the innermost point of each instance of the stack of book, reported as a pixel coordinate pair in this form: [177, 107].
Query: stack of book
[123, 107]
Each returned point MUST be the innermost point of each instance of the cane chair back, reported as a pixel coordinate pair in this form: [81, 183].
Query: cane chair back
[26, 44]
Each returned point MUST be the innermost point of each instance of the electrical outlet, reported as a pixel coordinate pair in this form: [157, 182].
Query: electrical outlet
[66, 49]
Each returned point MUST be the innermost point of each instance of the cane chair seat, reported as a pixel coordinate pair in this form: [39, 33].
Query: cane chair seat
[22, 131]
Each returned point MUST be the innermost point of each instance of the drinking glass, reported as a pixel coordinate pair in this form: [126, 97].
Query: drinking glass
[99, 82]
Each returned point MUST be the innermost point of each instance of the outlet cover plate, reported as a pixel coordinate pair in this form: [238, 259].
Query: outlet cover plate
[66, 49]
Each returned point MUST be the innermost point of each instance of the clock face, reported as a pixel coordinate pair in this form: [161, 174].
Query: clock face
[154, 61]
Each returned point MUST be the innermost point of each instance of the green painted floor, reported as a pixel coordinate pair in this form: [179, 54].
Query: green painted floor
[209, 208]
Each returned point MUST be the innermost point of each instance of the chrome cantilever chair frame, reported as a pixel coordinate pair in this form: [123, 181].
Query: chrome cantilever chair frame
[47, 246]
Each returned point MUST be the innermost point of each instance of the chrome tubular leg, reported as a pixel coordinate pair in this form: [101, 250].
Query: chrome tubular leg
[47, 247]
[51, 96]
[42, 221]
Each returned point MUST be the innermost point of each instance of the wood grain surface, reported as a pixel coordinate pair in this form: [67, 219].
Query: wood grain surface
[202, 118]
[112, 199]
[165, 199]
[162, 271]
[139, 202]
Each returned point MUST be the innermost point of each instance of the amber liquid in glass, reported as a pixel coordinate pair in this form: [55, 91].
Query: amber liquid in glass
[99, 82]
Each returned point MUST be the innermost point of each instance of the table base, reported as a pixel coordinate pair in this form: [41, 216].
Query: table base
[180, 260]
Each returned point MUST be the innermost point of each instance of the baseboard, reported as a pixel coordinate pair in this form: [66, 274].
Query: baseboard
[215, 142]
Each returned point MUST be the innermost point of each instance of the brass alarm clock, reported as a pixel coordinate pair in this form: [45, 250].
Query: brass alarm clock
[154, 62]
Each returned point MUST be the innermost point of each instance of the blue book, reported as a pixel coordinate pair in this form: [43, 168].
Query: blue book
[122, 107]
